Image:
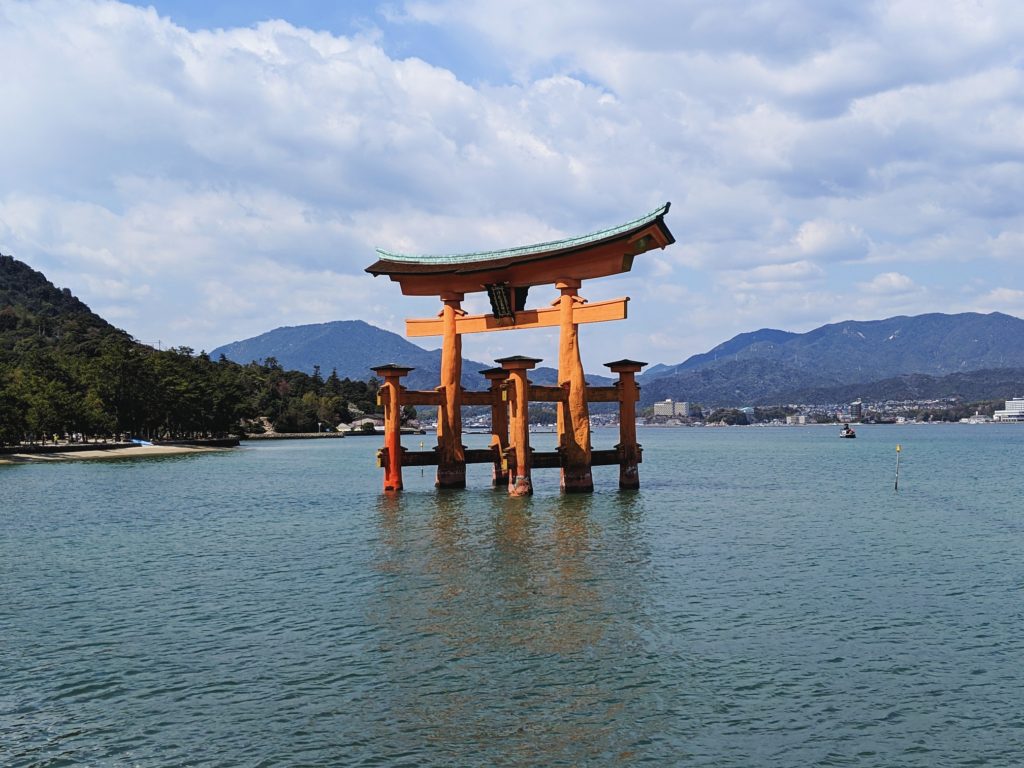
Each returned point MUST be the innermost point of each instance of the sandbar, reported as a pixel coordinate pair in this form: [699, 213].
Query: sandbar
[135, 452]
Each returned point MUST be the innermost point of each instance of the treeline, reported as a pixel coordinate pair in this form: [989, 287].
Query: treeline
[66, 371]
[123, 387]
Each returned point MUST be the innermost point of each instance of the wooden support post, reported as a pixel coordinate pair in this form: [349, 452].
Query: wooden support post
[451, 468]
[499, 423]
[390, 395]
[628, 448]
[519, 482]
[573, 415]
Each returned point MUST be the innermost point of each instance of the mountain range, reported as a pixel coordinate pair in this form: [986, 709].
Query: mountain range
[970, 355]
[946, 354]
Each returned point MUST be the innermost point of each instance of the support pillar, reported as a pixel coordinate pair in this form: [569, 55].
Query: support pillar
[390, 396]
[574, 414]
[628, 448]
[451, 466]
[499, 423]
[519, 481]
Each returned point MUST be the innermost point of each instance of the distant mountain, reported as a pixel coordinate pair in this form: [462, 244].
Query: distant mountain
[353, 347]
[974, 386]
[771, 366]
[350, 346]
[762, 341]
[731, 383]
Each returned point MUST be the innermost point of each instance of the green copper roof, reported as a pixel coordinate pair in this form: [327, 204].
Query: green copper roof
[524, 250]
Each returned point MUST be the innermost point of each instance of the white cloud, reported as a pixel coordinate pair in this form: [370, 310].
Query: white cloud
[784, 278]
[1007, 300]
[831, 240]
[1009, 245]
[889, 283]
[214, 184]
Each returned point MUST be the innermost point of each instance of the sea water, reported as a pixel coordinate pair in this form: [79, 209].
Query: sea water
[766, 598]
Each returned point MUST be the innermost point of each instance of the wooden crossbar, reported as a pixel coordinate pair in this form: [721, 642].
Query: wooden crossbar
[538, 394]
[430, 458]
[480, 398]
[598, 312]
[604, 394]
[538, 459]
[421, 397]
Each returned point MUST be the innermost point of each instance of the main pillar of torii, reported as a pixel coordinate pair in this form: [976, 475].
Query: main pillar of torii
[506, 276]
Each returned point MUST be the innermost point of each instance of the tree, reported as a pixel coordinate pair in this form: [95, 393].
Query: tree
[12, 414]
[730, 416]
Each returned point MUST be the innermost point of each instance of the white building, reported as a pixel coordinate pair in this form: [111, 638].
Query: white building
[1013, 410]
[671, 408]
[686, 409]
[664, 408]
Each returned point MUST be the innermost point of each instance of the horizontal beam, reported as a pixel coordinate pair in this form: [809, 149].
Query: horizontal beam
[420, 397]
[482, 455]
[603, 394]
[538, 394]
[544, 459]
[430, 458]
[420, 458]
[480, 398]
[604, 458]
[538, 459]
[541, 394]
[436, 396]
[598, 312]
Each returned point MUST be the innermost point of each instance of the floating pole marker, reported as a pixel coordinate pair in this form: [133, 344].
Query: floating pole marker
[899, 448]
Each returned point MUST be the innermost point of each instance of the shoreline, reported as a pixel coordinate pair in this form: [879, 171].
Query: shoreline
[119, 452]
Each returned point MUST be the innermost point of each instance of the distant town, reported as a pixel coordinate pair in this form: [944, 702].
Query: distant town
[672, 413]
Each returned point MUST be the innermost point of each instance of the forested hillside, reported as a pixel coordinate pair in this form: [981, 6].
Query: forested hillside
[64, 370]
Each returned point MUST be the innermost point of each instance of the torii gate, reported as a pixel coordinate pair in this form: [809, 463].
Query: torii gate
[506, 276]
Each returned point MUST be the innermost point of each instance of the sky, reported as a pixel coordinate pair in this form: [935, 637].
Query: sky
[200, 173]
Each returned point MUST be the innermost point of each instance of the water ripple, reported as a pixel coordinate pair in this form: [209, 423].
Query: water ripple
[271, 607]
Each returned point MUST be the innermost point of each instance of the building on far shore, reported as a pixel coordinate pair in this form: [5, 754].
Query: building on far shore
[664, 408]
[977, 418]
[671, 408]
[1013, 410]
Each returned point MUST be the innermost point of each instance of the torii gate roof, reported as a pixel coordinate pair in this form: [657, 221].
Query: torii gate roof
[599, 254]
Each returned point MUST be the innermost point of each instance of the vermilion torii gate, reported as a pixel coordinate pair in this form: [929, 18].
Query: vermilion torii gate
[506, 276]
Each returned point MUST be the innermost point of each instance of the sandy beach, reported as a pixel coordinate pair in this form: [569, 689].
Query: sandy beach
[135, 452]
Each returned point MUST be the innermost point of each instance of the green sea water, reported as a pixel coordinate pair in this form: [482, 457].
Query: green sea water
[765, 599]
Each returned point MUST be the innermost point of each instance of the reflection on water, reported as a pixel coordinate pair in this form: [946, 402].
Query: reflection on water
[493, 604]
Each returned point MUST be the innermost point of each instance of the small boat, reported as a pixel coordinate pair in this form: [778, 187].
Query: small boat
[847, 431]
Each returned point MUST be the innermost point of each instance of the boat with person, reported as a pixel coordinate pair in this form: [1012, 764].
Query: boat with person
[847, 431]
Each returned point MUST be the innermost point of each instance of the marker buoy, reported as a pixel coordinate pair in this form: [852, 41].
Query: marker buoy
[899, 449]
